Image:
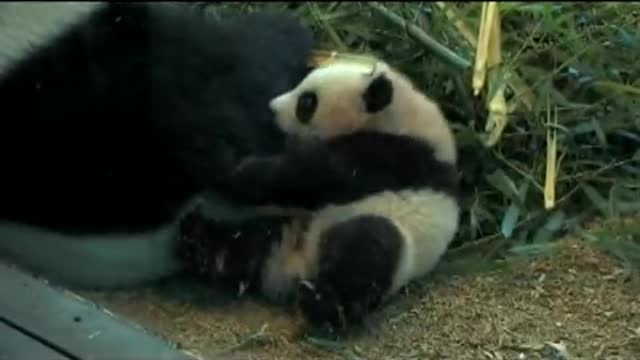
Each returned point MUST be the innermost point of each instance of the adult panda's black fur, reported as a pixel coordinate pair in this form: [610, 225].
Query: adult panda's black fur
[379, 183]
[116, 116]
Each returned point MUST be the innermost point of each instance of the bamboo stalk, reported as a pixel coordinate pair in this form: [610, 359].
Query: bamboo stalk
[438, 49]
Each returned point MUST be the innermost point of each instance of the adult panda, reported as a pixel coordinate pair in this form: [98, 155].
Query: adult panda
[380, 182]
[117, 116]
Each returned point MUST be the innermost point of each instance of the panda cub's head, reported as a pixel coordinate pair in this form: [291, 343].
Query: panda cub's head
[334, 100]
[345, 97]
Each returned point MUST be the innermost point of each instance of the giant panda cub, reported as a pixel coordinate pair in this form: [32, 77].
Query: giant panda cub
[377, 176]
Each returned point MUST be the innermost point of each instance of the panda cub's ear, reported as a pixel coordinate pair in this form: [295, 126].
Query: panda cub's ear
[378, 94]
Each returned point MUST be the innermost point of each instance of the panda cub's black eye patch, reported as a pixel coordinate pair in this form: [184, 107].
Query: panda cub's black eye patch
[306, 106]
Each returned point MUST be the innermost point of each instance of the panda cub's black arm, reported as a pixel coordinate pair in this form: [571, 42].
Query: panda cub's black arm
[302, 177]
[340, 170]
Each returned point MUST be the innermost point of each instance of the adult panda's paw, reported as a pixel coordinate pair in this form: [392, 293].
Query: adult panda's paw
[193, 247]
[203, 246]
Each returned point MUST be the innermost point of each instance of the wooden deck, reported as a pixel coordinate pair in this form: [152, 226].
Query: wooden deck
[38, 321]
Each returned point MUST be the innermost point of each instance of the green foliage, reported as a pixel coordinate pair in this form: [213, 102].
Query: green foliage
[579, 59]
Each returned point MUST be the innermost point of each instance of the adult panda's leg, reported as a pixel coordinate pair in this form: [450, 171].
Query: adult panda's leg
[110, 260]
[357, 261]
[230, 252]
[91, 261]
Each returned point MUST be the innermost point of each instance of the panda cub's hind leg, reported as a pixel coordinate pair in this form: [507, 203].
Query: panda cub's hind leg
[356, 265]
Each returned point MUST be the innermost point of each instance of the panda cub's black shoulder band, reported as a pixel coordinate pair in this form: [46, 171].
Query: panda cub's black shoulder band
[341, 170]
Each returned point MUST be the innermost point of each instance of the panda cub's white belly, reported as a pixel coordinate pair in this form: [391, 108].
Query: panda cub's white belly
[427, 219]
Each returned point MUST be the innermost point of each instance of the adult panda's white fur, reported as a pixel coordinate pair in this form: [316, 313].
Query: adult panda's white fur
[129, 251]
[384, 160]
[24, 26]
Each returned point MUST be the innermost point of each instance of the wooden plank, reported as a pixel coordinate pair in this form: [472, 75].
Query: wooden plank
[16, 345]
[77, 327]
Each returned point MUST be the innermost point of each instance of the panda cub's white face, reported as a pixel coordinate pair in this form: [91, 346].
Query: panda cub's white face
[329, 102]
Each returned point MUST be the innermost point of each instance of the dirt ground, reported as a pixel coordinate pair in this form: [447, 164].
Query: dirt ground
[575, 304]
